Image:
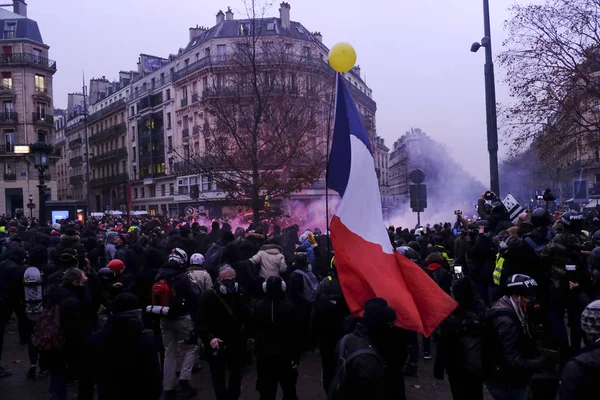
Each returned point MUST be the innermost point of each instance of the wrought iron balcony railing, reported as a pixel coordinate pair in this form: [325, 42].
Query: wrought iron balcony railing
[9, 117]
[27, 59]
[109, 156]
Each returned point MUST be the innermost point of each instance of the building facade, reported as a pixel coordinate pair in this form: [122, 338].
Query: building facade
[166, 119]
[27, 109]
[406, 149]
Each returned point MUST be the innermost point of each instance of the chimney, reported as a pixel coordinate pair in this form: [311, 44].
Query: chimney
[284, 15]
[20, 7]
[197, 31]
[229, 14]
[318, 36]
[220, 17]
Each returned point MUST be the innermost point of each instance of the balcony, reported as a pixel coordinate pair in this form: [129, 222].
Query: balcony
[76, 180]
[116, 106]
[40, 89]
[9, 117]
[42, 118]
[10, 177]
[110, 180]
[76, 161]
[109, 132]
[11, 149]
[184, 167]
[6, 89]
[184, 102]
[27, 59]
[75, 143]
[185, 133]
[109, 156]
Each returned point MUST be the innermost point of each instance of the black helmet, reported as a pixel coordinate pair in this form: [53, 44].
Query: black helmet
[409, 253]
[521, 285]
[540, 217]
[106, 274]
[572, 220]
[596, 238]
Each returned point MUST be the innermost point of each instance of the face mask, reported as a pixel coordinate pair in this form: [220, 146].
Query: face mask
[228, 286]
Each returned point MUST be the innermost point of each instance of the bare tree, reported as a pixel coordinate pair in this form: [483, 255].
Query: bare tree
[552, 66]
[267, 107]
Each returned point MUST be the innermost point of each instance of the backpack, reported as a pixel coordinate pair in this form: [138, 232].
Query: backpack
[339, 381]
[34, 293]
[49, 334]
[213, 255]
[311, 285]
[164, 299]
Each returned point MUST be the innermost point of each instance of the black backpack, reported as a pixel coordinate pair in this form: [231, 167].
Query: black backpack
[336, 389]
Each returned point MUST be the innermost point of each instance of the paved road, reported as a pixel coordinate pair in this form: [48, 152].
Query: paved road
[18, 387]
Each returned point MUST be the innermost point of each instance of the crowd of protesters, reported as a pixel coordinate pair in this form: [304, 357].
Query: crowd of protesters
[128, 310]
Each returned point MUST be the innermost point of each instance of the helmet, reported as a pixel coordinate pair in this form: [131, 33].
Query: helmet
[106, 274]
[521, 285]
[178, 255]
[593, 263]
[197, 259]
[409, 253]
[596, 238]
[540, 217]
[116, 265]
[572, 220]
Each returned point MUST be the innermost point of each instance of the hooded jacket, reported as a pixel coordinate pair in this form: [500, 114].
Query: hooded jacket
[271, 260]
[581, 375]
[126, 360]
[510, 353]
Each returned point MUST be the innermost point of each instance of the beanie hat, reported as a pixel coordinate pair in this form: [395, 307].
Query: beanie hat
[590, 320]
[116, 265]
[377, 313]
[68, 258]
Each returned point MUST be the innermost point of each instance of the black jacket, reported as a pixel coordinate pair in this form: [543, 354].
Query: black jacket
[276, 328]
[510, 354]
[365, 375]
[187, 294]
[581, 375]
[126, 360]
[228, 323]
[329, 312]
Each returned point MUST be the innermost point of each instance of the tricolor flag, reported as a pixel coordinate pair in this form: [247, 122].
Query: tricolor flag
[366, 262]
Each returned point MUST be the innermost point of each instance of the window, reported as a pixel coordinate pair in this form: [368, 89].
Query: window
[7, 168]
[208, 185]
[183, 186]
[133, 133]
[133, 156]
[135, 193]
[152, 191]
[40, 83]
[221, 51]
[168, 120]
[37, 53]
[205, 83]
[132, 111]
[10, 30]
[7, 80]
[153, 85]
[306, 51]
[42, 135]
[271, 26]
[162, 189]
[122, 141]
[41, 110]
[170, 143]
[171, 189]
[135, 173]
[220, 80]
[187, 62]
[8, 107]
[168, 94]
[143, 192]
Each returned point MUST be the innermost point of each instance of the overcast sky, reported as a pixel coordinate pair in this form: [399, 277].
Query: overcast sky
[415, 54]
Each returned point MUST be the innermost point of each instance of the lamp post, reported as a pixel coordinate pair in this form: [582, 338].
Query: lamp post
[41, 154]
[31, 205]
[490, 98]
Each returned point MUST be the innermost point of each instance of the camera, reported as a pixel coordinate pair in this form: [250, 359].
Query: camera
[548, 195]
[457, 212]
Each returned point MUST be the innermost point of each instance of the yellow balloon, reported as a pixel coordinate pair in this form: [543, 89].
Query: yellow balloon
[342, 57]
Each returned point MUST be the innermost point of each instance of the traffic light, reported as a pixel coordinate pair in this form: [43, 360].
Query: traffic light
[418, 197]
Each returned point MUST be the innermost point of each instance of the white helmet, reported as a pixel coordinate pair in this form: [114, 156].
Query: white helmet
[179, 255]
[197, 259]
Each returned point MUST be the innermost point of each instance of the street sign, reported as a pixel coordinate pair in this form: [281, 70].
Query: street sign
[417, 176]
[513, 206]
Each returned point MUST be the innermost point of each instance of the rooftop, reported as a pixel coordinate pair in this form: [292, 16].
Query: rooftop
[24, 29]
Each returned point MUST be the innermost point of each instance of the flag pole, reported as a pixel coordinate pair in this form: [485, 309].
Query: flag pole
[329, 118]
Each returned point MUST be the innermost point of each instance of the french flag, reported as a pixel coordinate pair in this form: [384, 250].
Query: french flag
[366, 262]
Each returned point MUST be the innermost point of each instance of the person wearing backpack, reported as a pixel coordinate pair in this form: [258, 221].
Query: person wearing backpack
[329, 312]
[176, 298]
[277, 351]
[459, 350]
[510, 354]
[303, 292]
[198, 274]
[360, 369]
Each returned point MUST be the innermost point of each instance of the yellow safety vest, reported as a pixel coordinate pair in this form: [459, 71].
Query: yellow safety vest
[498, 269]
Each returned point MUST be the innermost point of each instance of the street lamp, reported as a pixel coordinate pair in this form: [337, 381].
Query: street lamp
[31, 206]
[41, 154]
[490, 98]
